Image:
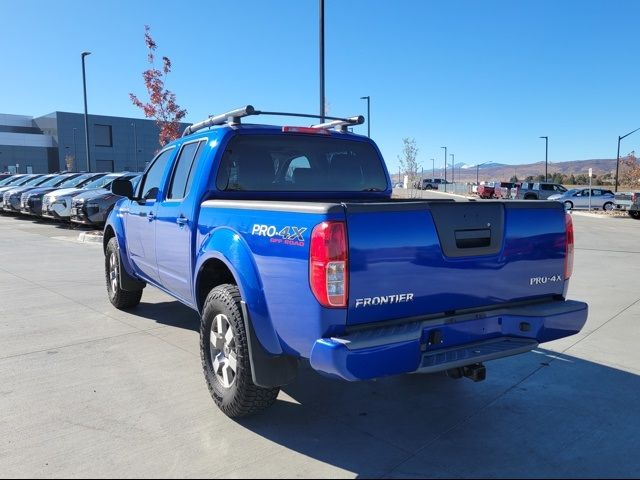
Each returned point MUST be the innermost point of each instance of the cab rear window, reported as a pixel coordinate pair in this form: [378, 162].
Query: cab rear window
[300, 163]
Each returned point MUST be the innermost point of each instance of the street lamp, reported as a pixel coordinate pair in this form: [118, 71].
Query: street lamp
[368, 99]
[478, 172]
[618, 156]
[433, 168]
[86, 118]
[546, 158]
[445, 168]
[453, 168]
[322, 106]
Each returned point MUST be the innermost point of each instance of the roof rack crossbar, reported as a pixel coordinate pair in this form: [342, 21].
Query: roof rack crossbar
[341, 123]
[233, 118]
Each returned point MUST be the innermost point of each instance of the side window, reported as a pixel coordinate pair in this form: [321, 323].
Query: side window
[182, 173]
[151, 181]
[536, 186]
[596, 193]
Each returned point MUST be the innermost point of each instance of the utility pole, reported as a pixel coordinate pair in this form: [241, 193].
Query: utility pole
[86, 116]
[322, 103]
[546, 158]
[445, 168]
[368, 99]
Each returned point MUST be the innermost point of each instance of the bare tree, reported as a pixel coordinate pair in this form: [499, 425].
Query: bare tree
[409, 164]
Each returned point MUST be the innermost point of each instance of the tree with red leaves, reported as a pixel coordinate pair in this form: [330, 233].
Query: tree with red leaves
[630, 171]
[162, 102]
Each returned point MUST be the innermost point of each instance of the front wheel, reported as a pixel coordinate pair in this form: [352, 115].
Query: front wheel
[119, 298]
[225, 356]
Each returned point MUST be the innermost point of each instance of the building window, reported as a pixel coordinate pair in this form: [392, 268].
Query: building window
[103, 135]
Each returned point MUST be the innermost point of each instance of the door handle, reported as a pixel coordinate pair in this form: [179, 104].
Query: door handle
[151, 216]
[182, 220]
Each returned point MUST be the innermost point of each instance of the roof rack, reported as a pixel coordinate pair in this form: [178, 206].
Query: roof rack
[233, 118]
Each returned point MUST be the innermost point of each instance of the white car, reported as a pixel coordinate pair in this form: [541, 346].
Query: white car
[579, 198]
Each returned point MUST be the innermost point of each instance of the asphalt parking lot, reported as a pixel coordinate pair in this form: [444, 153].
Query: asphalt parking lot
[89, 391]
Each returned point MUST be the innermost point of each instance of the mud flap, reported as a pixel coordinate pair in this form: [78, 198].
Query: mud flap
[267, 370]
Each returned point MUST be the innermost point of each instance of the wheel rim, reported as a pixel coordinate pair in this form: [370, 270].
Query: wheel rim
[114, 272]
[224, 358]
[608, 206]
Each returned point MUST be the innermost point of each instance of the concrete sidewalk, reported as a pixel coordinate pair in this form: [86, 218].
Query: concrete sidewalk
[89, 391]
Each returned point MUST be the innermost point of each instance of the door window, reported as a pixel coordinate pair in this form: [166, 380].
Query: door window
[183, 172]
[153, 177]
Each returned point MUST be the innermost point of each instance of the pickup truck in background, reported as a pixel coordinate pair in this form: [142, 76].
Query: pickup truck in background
[629, 202]
[537, 191]
[287, 242]
[486, 190]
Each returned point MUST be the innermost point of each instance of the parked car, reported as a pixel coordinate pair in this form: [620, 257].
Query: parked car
[486, 190]
[31, 202]
[12, 182]
[538, 190]
[92, 206]
[317, 261]
[431, 183]
[630, 202]
[503, 190]
[56, 203]
[11, 196]
[579, 198]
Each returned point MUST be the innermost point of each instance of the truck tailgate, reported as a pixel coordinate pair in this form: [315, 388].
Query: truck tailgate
[408, 259]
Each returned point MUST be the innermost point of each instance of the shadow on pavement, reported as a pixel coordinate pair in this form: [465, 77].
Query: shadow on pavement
[571, 418]
[170, 313]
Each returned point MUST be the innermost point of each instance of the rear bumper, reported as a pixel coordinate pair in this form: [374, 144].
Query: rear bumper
[435, 345]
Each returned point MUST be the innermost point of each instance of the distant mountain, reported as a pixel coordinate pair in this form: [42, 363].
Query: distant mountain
[504, 172]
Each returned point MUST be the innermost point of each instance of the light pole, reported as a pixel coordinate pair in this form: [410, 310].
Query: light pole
[86, 118]
[368, 99]
[433, 168]
[135, 145]
[618, 156]
[453, 168]
[75, 148]
[445, 168]
[546, 158]
[478, 172]
[322, 106]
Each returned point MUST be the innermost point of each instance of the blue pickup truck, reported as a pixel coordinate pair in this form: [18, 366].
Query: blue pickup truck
[287, 242]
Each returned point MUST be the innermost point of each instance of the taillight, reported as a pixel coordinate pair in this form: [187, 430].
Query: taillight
[328, 264]
[568, 261]
[634, 197]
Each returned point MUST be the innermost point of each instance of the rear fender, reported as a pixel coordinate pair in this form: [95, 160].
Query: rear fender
[229, 247]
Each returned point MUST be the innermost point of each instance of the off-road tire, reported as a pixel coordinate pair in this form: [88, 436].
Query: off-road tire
[119, 298]
[242, 397]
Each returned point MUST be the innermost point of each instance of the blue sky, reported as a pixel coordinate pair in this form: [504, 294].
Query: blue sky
[485, 78]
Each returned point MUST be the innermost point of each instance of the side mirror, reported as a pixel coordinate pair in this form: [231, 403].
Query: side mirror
[124, 188]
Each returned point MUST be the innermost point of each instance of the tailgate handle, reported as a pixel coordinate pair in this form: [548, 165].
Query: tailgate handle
[477, 238]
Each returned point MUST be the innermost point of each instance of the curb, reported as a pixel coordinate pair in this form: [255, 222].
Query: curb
[90, 237]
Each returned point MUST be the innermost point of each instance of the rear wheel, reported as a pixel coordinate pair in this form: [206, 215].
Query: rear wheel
[634, 214]
[568, 205]
[225, 356]
[608, 206]
[119, 298]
